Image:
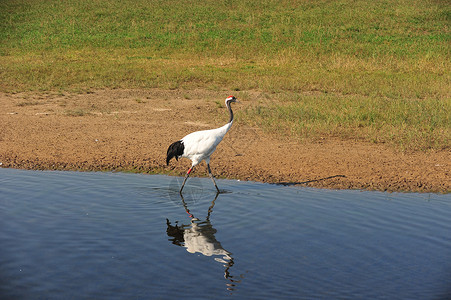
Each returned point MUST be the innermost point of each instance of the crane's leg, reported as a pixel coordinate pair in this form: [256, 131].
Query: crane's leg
[212, 177]
[186, 177]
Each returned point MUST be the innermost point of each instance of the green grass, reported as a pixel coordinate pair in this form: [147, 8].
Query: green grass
[352, 53]
[413, 125]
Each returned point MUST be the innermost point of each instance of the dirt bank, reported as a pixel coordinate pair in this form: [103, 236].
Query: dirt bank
[131, 130]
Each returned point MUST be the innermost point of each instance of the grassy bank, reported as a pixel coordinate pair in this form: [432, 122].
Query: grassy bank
[356, 56]
[412, 125]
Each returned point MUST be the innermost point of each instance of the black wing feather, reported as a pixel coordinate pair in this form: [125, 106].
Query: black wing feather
[175, 150]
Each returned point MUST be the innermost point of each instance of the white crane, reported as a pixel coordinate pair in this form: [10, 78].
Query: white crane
[200, 145]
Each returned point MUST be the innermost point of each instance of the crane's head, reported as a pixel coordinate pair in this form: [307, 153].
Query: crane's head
[230, 99]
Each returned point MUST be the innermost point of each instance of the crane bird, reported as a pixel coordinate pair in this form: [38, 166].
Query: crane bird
[200, 145]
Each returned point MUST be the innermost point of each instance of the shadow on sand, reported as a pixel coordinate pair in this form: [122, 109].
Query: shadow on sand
[309, 181]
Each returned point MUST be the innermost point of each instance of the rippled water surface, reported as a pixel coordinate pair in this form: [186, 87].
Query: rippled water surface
[70, 235]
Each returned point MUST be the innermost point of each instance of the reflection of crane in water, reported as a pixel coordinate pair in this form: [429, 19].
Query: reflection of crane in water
[199, 237]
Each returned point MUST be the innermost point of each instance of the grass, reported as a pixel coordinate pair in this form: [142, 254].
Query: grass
[356, 56]
[413, 125]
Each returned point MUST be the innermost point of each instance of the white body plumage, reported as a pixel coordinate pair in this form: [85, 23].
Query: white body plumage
[200, 145]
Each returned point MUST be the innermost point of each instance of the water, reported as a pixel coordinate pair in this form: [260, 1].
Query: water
[69, 235]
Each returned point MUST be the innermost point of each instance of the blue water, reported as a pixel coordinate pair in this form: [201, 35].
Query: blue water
[71, 235]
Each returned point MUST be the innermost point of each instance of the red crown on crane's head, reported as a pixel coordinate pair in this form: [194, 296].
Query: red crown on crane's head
[230, 98]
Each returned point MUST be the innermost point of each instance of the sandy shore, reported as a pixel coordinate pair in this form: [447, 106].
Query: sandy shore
[130, 130]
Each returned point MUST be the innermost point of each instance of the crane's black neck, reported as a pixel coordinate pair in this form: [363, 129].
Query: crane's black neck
[230, 111]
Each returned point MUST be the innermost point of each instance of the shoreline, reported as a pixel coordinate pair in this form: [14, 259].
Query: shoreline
[130, 130]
